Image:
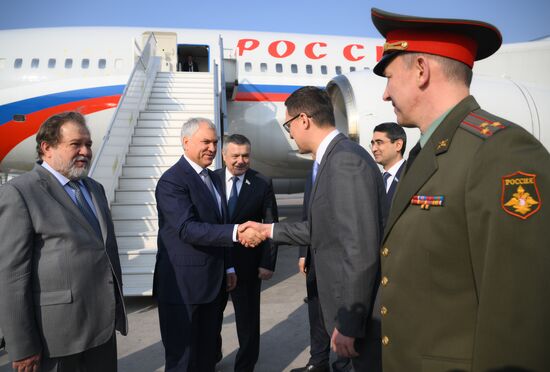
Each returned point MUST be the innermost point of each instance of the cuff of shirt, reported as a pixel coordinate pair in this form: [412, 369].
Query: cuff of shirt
[230, 270]
[271, 231]
[235, 227]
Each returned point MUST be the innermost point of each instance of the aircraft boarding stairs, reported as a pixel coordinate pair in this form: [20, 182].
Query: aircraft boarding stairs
[154, 147]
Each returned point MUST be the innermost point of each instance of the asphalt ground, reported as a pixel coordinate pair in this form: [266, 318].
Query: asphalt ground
[284, 342]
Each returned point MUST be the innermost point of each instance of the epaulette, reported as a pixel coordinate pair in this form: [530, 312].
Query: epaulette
[483, 124]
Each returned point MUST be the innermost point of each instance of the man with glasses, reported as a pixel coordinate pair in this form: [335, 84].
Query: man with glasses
[344, 228]
[388, 146]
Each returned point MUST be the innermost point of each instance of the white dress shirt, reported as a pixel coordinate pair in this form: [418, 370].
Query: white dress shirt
[229, 183]
[392, 171]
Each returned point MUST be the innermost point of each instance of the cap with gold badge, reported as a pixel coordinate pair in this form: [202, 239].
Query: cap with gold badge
[463, 40]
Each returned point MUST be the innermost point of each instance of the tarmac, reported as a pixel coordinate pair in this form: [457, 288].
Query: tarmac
[284, 329]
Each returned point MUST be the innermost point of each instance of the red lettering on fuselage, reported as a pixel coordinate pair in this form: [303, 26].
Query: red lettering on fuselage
[247, 44]
[351, 57]
[274, 50]
[308, 50]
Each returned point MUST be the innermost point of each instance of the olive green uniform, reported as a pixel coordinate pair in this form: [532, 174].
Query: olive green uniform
[466, 284]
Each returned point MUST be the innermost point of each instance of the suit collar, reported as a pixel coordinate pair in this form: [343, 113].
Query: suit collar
[425, 164]
[53, 187]
[244, 193]
[323, 146]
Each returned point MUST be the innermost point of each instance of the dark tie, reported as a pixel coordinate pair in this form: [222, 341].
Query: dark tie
[314, 171]
[85, 208]
[206, 178]
[232, 202]
[386, 176]
[412, 155]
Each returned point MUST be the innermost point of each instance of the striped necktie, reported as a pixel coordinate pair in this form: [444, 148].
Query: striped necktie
[85, 208]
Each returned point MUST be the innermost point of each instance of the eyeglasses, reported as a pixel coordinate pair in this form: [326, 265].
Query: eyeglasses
[378, 143]
[286, 125]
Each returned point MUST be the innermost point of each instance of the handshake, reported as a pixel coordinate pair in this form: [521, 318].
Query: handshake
[251, 233]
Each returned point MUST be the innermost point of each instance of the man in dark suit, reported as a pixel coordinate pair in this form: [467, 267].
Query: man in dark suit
[60, 278]
[190, 65]
[249, 197]
[319, 347]
[344, 227]
[388, 145]
[193, 268]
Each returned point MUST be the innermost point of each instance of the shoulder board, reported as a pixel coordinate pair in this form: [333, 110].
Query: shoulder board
[483, 124]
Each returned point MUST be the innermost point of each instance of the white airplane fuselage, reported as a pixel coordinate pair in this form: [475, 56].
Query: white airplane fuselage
[50, 70]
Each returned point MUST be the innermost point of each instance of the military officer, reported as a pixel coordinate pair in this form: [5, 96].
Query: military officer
[465, 255]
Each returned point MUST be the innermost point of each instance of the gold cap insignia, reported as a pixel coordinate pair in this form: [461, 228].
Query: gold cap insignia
[398, 45]
[520, 195]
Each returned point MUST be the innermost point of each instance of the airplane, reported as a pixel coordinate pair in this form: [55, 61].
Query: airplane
[130, 85]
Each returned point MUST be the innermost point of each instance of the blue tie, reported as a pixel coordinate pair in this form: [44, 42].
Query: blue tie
[85, 208]
[314, 172]
[232, 202]
[386, 176]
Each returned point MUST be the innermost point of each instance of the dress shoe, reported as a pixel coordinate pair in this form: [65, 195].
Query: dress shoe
[312, 368]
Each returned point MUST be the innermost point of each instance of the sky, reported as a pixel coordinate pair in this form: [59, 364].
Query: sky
[518, 20]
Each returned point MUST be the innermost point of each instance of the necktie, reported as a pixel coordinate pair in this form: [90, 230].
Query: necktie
[412, 155]
[386, 176]
[314, 172]
[232, 202]
[85, 208]
[206, 178]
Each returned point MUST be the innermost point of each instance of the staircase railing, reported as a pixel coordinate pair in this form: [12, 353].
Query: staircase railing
[107, 166]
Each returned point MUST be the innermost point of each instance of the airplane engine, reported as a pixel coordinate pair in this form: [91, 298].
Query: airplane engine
[357, 100]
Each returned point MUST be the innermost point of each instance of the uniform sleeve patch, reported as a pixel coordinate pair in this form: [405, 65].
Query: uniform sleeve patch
[520, 195]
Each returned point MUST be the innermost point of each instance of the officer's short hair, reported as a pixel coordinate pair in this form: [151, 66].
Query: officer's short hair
[454, 70]
[394, 133]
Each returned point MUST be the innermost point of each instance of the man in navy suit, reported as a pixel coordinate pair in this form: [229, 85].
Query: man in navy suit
[249, 197]
[388, 147]
[193, 268]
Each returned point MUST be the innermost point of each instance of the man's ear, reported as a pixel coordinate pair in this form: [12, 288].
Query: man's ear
[398, 144]
[422, 70]
[45, 148]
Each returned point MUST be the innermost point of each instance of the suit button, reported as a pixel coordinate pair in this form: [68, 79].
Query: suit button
[385, 340]
[385, 281]
[383, 310]
[385, 251]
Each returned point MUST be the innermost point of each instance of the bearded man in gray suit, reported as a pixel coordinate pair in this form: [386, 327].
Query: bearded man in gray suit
[60, 278]
[344, 227]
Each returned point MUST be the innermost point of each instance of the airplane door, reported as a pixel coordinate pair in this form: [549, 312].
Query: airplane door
[167, 44]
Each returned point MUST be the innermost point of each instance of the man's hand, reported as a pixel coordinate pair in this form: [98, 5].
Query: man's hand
[264, 274]
[251, 233]
[343, 345]
[302, 265]
[30, 364]
[231, 282]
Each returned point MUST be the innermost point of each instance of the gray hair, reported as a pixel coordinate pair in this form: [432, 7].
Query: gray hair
[192, 125]
[454, 70]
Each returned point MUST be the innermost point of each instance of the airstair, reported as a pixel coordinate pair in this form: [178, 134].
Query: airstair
[141, 146]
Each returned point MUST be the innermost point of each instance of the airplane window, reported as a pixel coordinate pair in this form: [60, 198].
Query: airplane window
[294, 68]
[18, 63]
[85, 63]
[248, 66]
[352, 68]
[279, 67]
[35, 62]
[51, 63]
[101, 63]
[323, 69]
[338, 70]
[263, 67]
[309, 69]
[69, 63]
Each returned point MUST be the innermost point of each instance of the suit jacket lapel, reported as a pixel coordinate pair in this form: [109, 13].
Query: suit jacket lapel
[52, 186]
[320, 170]
[100, 207]
[425, 164]
[244, 194]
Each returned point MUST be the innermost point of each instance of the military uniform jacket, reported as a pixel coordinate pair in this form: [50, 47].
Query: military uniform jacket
[465, 284]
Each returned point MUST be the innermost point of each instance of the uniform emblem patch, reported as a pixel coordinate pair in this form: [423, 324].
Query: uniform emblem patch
[520, 195]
